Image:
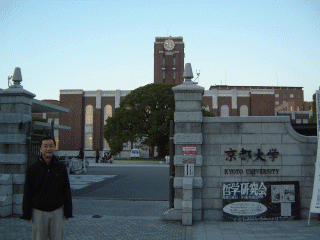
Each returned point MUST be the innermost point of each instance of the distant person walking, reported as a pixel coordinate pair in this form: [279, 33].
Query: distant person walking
[81, 154]
[47, 195]
[97, 155]
[167, 157]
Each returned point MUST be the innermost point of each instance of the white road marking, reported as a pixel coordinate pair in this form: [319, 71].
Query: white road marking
[82, 181]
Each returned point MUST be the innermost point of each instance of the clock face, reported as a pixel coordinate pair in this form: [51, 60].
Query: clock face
[168, 44]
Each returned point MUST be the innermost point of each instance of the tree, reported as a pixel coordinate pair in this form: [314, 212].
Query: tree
[205, 111]
[145, 113]
[117, 130]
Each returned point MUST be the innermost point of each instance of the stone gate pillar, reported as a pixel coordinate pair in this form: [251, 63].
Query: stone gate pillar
[15, 120]
[188, 121]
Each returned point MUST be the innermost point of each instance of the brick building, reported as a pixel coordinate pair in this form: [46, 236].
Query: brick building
[299, 113]
[169, 60]
[88, 110]
[88, 113]
[282, 95]
[240, 102]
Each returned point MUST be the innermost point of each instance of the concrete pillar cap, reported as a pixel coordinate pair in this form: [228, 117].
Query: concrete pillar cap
[17, 78]
[187, 74]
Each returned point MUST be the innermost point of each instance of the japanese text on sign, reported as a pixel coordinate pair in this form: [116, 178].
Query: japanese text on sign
[244, 190]
[246, 155]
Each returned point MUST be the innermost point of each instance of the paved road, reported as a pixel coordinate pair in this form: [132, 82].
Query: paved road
[112, 182]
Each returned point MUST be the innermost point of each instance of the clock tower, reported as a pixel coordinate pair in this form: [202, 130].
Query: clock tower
[169, 60]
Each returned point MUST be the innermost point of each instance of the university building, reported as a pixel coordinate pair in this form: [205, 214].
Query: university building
[88, 110]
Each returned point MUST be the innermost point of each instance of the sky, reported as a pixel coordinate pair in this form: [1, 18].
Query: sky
[109, 45]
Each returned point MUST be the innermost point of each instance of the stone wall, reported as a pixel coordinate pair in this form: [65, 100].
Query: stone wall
[15, 122]
[295, 162]
[278, 153]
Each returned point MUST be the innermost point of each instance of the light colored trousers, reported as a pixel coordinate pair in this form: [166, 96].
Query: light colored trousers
[47, 224]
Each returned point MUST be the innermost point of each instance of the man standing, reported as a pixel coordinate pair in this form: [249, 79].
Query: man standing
[47, 195]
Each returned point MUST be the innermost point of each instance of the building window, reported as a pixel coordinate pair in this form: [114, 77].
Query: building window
[299, 95]
[88, 128]
[277, 102]
[276, 95]
[284, 95]
[224, 111]
[284, 102]
[291, 95]
[291, 108]
[107, 114]
[305, 121]
[244, 111]
[298, 121]
[298, 109]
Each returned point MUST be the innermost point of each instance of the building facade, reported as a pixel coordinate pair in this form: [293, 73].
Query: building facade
[240, 102]
[90, 109]
[88, 112]
[282, 95]
[169, 60]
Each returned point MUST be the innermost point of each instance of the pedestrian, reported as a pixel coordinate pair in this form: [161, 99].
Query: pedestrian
[81, 154]
[109, 157]
[167, 157]
[97, 155]
[47, 196]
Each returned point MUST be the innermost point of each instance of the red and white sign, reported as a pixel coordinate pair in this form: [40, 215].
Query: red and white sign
[189, 150]
[189, 153]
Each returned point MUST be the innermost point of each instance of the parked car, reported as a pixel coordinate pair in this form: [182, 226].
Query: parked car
[135, 153]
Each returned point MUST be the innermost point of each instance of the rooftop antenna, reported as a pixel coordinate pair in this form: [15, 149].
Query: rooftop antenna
[198, 74]
[9, 83]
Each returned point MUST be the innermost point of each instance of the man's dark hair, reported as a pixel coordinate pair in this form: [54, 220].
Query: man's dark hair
[47, 138]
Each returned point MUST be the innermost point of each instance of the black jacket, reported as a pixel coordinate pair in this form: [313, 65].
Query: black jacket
[47, 188]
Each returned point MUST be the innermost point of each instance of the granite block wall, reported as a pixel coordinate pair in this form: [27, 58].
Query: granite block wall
[260, 135]
[15, 121]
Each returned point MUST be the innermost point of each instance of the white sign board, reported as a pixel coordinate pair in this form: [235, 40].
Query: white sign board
[315, 201]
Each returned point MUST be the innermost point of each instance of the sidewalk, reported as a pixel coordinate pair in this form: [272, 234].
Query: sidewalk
[83, 227]
[218, 230]
[151, 227]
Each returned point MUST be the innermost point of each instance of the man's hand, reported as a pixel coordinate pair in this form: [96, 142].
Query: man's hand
[67, 219]
[29, 221]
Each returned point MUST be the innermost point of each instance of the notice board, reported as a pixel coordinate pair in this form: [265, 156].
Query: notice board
[261, 201]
